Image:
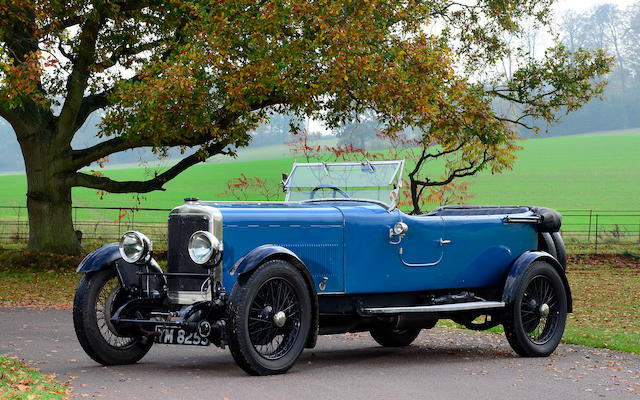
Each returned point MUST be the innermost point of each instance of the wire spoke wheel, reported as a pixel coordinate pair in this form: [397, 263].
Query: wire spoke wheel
[98, 296]
[275, 300]
[269, 318]
[539, 310]
[105, 306]
[535, 319]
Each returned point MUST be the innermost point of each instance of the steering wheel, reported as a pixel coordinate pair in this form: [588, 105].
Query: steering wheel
[335, 190]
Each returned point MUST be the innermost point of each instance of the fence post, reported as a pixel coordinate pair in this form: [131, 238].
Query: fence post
[18, 226]
[119, 219]
[589, 234]
[596, 252]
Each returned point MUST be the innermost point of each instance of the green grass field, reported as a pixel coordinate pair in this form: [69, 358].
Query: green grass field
[579, 172]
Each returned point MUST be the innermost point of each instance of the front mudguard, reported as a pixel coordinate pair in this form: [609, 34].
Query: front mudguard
[264, 253]
[132, 276]
[518, 269]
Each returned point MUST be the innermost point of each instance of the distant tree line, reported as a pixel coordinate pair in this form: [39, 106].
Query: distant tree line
[617, 30]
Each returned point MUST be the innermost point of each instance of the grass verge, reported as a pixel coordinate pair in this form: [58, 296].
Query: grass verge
[19, 381]
[606, 301]
[33, 279]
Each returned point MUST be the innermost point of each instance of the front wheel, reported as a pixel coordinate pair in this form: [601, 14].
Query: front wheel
[269, 318]
[98, 296]
[534, 322]
[389, 337]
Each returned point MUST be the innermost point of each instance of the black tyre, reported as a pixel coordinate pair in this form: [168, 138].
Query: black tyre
[98, 296]
[389, 337]
[269, 318]
[534, 321]
[546, 243]
[561, 251]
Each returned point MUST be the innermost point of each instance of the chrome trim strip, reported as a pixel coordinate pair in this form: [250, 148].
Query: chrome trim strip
[475, 305]
[533, 219]
[188, 297]
[420, 265]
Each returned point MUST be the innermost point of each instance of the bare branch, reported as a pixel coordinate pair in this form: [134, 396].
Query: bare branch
[156, 183]
[517, 121]
[83, 158]
[534, 101]
[471, 169]
[443, 153]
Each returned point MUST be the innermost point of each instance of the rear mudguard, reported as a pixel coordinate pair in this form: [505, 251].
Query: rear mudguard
[108, 256]
[267, 252]
[521, 264]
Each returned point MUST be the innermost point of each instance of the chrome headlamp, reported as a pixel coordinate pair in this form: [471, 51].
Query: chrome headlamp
[134, 246]
[203, 246]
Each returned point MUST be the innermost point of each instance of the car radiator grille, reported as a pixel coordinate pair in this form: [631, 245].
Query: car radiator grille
[181, 227]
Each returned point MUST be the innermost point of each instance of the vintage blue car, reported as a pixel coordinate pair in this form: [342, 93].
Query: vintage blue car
[337, 256]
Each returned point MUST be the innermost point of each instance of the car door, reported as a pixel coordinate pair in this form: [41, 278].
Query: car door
[421, 246]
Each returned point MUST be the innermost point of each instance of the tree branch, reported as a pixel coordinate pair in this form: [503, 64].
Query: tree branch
[84, 157]
[95, 102]
[120, 52]
[534, 101]
[9, 115]
[77, 81]
[90, 104]
[469, 170]
[62, 25]
[516, 121]
[156, 183]
[64, 52]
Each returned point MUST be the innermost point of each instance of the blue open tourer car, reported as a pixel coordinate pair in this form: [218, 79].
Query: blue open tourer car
[337, 256]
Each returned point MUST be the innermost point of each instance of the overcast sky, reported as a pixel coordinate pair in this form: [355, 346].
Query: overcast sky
[582, 5]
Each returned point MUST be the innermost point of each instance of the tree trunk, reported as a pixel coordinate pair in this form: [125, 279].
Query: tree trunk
[48, 198]
[415, 200]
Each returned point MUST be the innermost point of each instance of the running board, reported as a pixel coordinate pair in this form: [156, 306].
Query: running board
[475, 305]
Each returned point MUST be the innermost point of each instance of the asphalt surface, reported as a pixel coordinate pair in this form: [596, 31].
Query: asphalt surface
[443, 363]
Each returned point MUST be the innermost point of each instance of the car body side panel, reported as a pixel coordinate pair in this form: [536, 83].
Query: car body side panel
[313, 233]
[483, 247]
[481, 251]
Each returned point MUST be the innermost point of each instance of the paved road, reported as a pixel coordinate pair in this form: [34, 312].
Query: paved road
[442, 364]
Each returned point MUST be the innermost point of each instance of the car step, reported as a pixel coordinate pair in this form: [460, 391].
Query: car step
[474, 305]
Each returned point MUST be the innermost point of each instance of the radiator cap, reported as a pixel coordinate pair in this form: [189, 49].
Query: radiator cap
[191, 200]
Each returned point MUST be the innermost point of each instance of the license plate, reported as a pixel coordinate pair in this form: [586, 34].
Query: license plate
[179, 336]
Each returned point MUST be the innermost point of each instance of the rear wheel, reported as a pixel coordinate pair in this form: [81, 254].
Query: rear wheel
[389, 337]
[535, 320]
[98, 296]
[270, 318]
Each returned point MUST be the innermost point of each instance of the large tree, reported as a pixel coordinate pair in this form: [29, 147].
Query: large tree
[203, 73]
